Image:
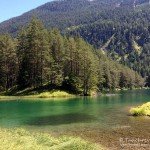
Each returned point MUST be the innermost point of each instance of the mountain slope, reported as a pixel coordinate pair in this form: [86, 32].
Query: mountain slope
[120, 27]
[125, 34]
[61, 14]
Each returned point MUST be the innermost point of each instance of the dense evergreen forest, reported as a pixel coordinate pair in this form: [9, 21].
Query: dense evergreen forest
[124, 35]
[39, 57]
[118, 27]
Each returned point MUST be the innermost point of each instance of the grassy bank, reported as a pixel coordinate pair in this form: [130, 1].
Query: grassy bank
[143, 110]
[46, 91]
[57, 95]
[46, 95]
[52, 94]
[20, 139]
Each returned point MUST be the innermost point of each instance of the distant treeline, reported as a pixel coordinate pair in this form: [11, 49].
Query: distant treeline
[40, 57]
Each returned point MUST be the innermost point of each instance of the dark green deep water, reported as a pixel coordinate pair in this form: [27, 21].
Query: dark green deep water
[102, 119]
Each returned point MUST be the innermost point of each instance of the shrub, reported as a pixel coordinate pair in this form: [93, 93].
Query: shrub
[141, 110]
[54, 94]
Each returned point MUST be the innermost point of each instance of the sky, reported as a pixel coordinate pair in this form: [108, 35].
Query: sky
[13, 8]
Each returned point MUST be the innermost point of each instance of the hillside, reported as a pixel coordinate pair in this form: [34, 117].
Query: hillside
[66, 13]
[61, 14]
[119, 27]
[39, 59]
[124, 34]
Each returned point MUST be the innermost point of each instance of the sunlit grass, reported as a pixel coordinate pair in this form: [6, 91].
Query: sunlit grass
[20, 139]
[54, 94]
[141, 110]
[46, 94]
[6, 98]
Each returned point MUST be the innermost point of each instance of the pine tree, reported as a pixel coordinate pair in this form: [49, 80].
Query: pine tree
[8, 62]
[57, 53]
[33, 51]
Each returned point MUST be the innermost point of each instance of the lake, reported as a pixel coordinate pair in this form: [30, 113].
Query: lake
[104, 120]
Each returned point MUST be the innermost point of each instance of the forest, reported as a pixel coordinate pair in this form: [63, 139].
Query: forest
[119, 28]
[124, 35]
[38, 57]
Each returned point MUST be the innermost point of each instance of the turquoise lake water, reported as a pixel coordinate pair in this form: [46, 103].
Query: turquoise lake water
[102, 120]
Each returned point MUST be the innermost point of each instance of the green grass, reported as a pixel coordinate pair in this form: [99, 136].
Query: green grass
[143, 110]
[20, 139]
[50, 94]
[45, 91]
[54, 94]
[5, 98]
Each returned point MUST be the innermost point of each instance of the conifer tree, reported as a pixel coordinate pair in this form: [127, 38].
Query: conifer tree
[57, 53]
[8, 62]
[34, 54]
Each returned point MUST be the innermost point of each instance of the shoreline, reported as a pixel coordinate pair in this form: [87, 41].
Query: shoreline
[61, 96]
[19, 98]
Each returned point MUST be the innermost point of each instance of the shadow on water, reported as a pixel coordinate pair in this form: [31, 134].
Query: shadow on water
[61, 119]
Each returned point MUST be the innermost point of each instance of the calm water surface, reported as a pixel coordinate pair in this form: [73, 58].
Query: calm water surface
[101, 120]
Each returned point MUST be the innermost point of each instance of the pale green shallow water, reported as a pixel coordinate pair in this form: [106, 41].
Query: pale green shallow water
[102, 120]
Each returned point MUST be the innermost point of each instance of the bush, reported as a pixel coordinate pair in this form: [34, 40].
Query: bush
[141, 110]
[54, 94]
